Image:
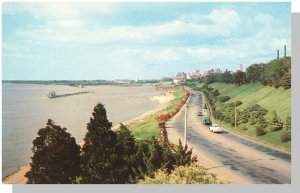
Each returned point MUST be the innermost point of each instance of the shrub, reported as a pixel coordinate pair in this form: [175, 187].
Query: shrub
[238, 103]
[285, 137]
[224, 99]
[260, 131]
[276, 123]
[216, 93]
[192, 174]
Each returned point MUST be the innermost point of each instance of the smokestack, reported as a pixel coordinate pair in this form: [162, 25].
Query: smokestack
[284, 50]
[277, 54]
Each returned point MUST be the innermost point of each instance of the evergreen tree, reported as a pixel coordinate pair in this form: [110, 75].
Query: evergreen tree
[99, 154]
[55, 158]
[183, 156]
[286, 135]
[127, 149]
[276, 123]
[260, 128]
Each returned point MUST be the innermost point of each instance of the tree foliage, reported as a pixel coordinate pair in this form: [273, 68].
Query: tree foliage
[276, 123]
[127, 149]
[190, 174]
[286, 135]
[100, 161]
[55, 158]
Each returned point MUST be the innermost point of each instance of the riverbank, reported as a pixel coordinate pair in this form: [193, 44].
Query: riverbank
[163, 101]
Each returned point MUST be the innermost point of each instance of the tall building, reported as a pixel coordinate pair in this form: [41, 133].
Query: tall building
[240, 68]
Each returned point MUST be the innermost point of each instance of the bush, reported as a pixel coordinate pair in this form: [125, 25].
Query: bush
[285, 137]
[192, 174]
[276, 123]
[216, 93]
[260, 131]
[238, 103]
[223, 99]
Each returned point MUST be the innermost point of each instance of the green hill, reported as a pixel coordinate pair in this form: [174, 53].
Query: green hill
[273, 99]
[270, 98]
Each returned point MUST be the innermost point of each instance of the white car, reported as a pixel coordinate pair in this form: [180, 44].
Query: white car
[215, 128]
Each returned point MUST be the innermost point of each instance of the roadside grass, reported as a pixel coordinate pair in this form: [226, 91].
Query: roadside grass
[149, 126]
[270, 138]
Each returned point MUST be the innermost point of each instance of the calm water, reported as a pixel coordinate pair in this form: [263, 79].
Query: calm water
[25, 109]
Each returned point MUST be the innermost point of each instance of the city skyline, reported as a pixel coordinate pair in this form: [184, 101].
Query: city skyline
[90, 41]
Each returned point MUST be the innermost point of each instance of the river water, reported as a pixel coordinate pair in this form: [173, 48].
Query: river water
[26, 109]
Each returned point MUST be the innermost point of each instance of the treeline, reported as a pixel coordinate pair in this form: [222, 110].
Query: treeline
[107, 156]
[276, 73]
[254, 116]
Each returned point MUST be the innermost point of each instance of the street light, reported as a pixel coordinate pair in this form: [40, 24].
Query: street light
[235, 115]
[185, 124]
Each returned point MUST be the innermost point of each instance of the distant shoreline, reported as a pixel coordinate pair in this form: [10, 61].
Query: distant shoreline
[163, 100]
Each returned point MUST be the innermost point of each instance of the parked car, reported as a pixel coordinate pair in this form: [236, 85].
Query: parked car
[215, 128]
[207, 121]
[199, 113]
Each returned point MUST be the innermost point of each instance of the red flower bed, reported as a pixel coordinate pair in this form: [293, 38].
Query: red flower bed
[165, 117]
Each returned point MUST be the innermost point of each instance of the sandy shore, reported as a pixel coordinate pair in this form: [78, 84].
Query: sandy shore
[162, 100]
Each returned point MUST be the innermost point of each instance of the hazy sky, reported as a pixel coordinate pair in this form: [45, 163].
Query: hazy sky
[43, 41]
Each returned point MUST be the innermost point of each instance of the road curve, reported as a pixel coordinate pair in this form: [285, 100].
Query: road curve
[232, 157]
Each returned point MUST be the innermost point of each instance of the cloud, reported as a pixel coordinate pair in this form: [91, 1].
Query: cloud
[56, 30]
[57, 10]
[80, 34]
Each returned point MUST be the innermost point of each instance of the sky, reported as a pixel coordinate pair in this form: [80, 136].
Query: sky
[87, 41]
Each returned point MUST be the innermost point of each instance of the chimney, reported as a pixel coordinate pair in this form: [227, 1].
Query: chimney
[277, 54]
[284, 50]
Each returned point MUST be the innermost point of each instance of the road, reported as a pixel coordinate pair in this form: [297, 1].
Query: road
[231, 157]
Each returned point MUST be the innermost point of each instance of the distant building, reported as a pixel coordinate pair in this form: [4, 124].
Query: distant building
[240, 68]
[124, 81]
[212, 72]
[193, 75]
[180, 77]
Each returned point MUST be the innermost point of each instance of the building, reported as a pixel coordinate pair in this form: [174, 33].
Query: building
[180, 77]
[240, 68]
[124, 81]
[211, 72]
[193, 75]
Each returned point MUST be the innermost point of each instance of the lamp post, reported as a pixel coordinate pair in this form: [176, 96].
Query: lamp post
[235, 115]
[185, 124]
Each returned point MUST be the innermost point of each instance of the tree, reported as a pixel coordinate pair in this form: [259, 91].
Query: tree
[254, 72]
[127, 149]
[227, 77]
[56, 158]
[239, 78]
[100, 162]
[286, 135]
[285, 81]
[183, 156]
[260, 128]
[276, 123]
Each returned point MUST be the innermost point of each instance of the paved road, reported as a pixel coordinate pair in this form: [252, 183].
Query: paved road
[228, 155]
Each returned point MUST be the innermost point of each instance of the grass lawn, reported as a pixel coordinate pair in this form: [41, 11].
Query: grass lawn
[149, 126]
[270, 98]
[273, 99]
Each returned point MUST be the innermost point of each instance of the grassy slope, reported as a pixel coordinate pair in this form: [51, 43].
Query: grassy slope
[269, 98]
[273, 99]
[149, 126]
